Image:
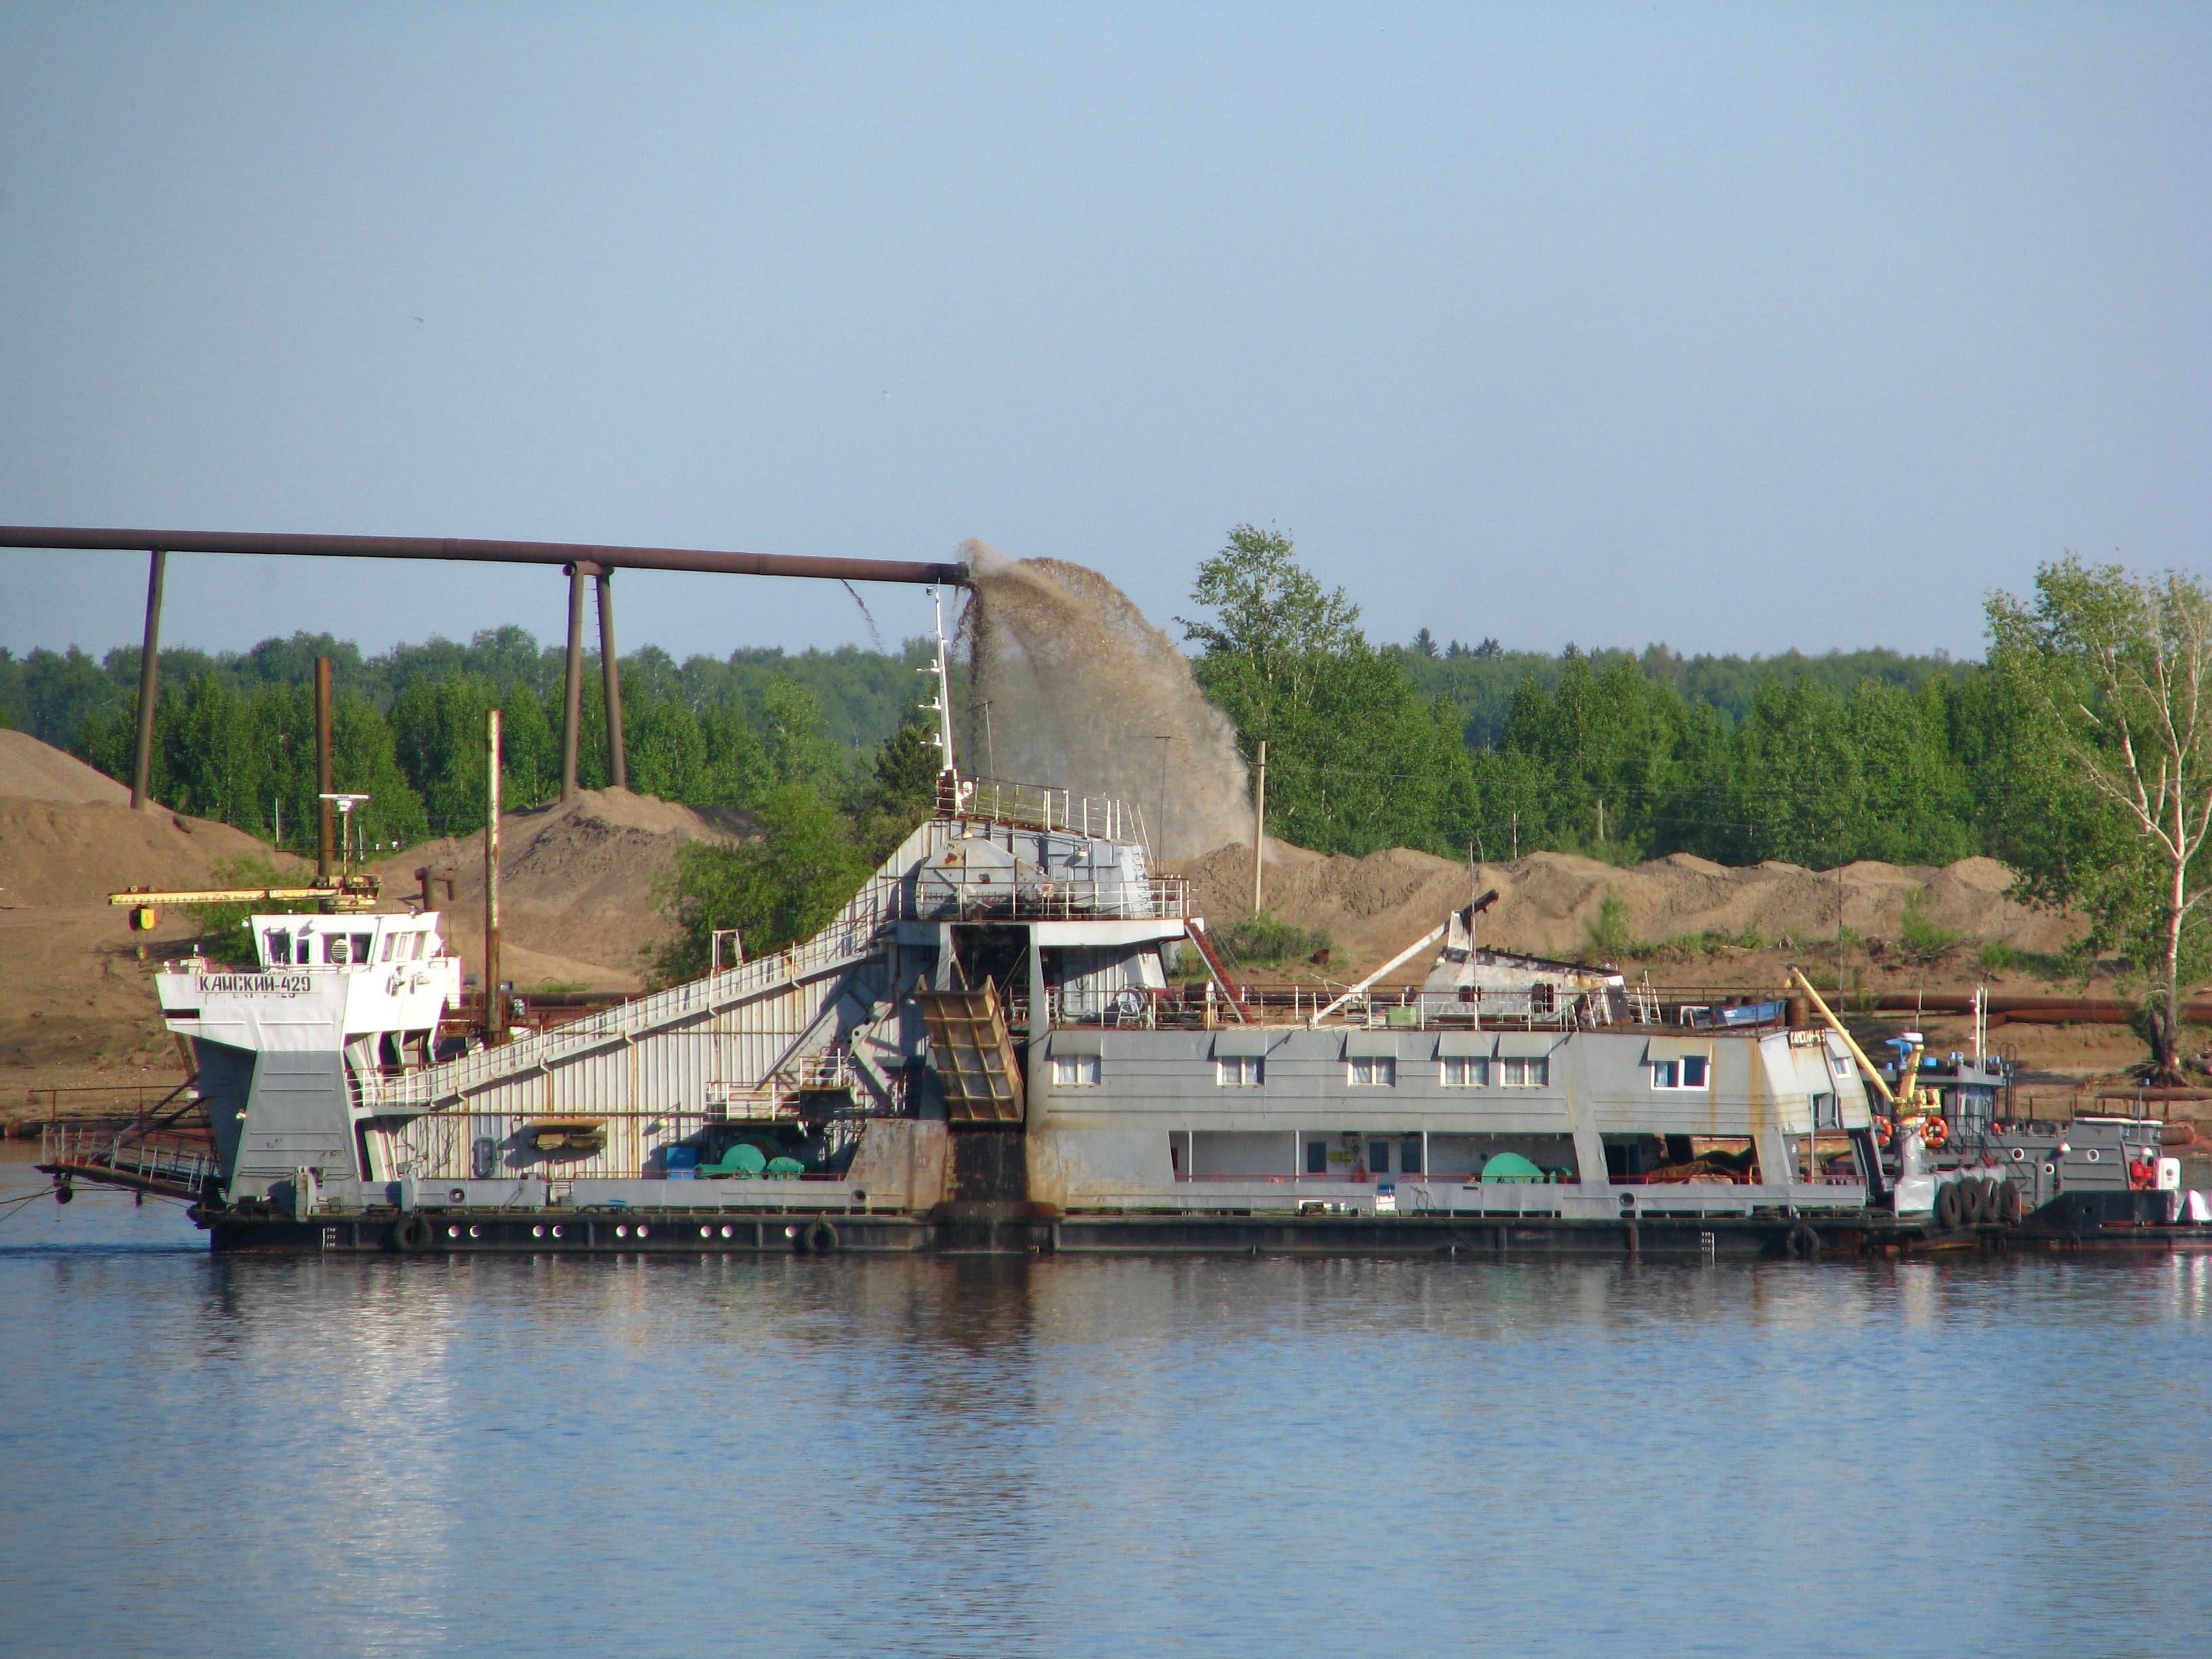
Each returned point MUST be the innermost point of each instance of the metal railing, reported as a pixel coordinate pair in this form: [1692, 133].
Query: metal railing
[850, 936]
[1037, 806]
[157, 1163]
[1190, 1006]
[1140, 899]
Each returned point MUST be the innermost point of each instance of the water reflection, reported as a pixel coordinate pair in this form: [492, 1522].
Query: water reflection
[1184, 1456]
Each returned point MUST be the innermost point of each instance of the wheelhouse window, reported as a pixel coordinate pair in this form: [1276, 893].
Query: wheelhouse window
[280, 948]
[1237, 1071]
[1466, 1073]
[1371, 1070]
[1515, 1073]
[1690, 1071]
[1075, 1071]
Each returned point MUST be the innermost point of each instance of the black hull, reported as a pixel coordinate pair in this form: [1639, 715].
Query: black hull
[1011, 1230]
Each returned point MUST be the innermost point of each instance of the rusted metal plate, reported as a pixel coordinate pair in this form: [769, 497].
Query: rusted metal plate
[974, 1052]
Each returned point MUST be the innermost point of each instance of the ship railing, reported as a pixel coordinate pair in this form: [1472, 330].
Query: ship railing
[1143, 899]
[1199, 1005]
[851, 936]
[1040, 806]
[157, 1162]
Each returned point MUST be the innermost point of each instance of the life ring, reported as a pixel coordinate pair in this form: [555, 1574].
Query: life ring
[1934, 1132]
[1884, 1132]
[1803, 1243]
[414, 1234]
[820, 1237]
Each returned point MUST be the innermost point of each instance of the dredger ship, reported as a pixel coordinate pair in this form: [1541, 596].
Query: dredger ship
[1017, 1036]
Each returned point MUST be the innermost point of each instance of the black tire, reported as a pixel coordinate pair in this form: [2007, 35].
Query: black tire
[414, 1234]
[1949, 1204]
[2012, 1204]
[1804, 1242]
[819, 1238]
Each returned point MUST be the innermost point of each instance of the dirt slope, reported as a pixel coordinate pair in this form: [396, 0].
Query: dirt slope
[1374, 906]
[30, 770]
[578, 899]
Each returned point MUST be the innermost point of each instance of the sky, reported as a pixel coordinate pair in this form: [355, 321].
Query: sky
[1739, 328]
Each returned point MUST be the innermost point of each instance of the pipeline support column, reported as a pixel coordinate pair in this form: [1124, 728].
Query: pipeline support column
[150, 674]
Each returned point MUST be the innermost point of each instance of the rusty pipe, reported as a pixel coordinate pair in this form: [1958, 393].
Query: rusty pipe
[75, 540]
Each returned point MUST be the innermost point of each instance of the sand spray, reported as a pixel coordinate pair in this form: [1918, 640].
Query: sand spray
[1084, 693]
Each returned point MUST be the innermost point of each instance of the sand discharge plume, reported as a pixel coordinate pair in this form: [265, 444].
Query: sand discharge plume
[1080, 689]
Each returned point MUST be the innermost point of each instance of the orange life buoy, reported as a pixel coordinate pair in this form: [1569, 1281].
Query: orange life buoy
[1884, 1132]
[1934, 1132]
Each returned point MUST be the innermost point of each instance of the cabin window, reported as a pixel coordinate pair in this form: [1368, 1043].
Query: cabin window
[1839, 1065]
[1539, 997]
[1690, 1071]
[1467, 1074]
[280, 948]
[1372, 1071]
[1074, 1070]
[1316, 1158]
[1826, 1115]
[391, 945]
[1378, 1156]
[1525, 1073]
[1237, 1071]
[1409, 1155]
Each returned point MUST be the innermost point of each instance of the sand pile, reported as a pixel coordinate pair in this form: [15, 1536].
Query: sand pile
[75, 1006]
[1374, 906]
[30, 770]
[1081, 689]
[578, 904]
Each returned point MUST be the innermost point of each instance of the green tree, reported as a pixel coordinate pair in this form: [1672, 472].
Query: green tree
[778, 887]
[1357, 760]
[2113, 666]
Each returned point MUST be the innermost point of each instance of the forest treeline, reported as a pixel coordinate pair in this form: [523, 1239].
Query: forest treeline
[235, 732]
[1453, 748]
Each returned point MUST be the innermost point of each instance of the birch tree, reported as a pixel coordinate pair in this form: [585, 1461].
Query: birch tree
[2115, 664]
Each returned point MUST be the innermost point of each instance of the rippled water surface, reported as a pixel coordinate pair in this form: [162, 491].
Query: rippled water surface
[842, 1456]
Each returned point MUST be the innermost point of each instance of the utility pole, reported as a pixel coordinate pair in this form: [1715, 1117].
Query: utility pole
[495, 1004]
[324, 849]
[1258, 824]
[1517, 832]
[1163, 739]
[1600, 821]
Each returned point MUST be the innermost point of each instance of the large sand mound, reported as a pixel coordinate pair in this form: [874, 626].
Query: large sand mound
[1372, 906]
[30, 770]
[578, 883]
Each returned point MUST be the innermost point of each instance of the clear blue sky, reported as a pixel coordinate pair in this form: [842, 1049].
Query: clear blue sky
[1739, 327]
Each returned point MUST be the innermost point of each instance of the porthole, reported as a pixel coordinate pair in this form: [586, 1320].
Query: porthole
[476, 1232]
[2092, 1155]
[556, 1232]
[622, 1232]
[726, 1232]
[791, 1232]
[452, 1232]
[459, 1195]
[538, 1233]
[642, 1229]
[706, 1232]
[2018, 1153]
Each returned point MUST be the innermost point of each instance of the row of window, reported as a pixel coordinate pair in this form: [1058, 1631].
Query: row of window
[1367, 1071]
[341, 949]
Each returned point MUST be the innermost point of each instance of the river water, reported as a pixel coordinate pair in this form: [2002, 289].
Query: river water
[1176, 1456]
